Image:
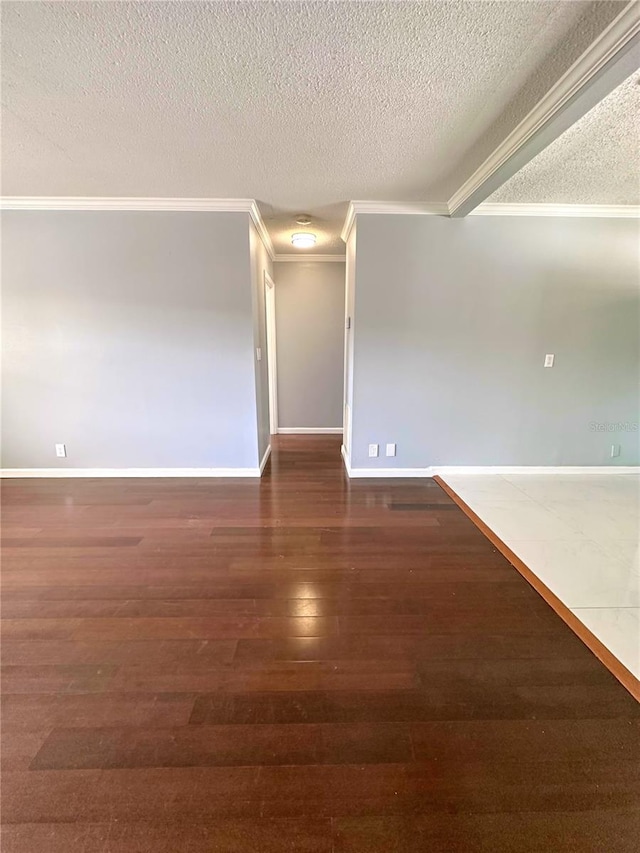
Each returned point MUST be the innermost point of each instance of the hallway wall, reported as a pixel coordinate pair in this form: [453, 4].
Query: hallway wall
[310, 341]
[260, 263]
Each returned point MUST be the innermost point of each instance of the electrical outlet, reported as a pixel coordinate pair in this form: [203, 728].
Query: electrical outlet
[548, 360]
[391, 450]
[373, 450]
[615, 450]
[61, 450]
[258, 354]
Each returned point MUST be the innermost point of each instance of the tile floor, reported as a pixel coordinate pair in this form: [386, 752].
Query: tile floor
[580, 534]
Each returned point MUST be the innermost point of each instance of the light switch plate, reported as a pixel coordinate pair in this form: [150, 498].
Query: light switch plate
[548, 360]
[391, 450]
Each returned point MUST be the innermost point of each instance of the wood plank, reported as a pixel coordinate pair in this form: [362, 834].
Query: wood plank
[301, 663]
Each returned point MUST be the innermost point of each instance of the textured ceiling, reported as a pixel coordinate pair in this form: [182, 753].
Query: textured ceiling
[596, 161]
[301, 105]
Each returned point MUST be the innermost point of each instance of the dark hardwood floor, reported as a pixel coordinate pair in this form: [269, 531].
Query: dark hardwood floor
[301, 663]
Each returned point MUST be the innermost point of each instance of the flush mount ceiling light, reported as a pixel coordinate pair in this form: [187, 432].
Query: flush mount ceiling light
[303, 240]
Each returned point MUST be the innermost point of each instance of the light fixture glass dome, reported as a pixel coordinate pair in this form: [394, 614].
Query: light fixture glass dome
[303, 240]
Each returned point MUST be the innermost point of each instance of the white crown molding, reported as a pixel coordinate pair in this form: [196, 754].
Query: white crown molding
[258, 221]
[203, 205]
[12, 473]
[403, 208]
[310, 430]
[231, 205]
[215, 205]
[614, 44]
[603, 211]
[397, 208]
[348, 222]
[316, 259]
[617, 211]
[265, 459]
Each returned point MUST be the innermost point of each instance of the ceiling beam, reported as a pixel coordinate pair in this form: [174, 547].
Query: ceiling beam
[606, 63]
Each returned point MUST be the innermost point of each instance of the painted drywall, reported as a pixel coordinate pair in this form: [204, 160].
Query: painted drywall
[260, 263]
[453, 319]
[129, 337]
[350, 321]
[309, 299]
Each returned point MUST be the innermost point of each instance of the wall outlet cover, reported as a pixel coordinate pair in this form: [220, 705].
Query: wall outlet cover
[391, 450]
[373, 450]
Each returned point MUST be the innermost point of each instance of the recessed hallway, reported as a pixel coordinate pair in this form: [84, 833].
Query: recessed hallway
[301, 662]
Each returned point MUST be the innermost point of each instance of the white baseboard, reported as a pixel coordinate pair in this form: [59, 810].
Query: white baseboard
[345, 459]
[443, 470]
[310, 430]
[451, 470]
[265, 459]
[12, 473]
[381, 472]
[390, 472]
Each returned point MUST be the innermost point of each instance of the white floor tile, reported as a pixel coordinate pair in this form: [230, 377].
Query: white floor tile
[580, 534]
[615, 487]
[487, 488]
[597, 518]
[625, 550]
[522, 520]
[618, 629]
[581, 573]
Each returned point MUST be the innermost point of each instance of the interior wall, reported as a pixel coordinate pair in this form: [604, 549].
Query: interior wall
[310, 299]
[128, 336]
[454, 318]
[350, 319]
[260, 263]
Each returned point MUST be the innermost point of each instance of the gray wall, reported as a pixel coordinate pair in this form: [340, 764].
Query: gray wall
[310, 340]
[260, 263]
[350, 296]
[129, 337]
[453, 319]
